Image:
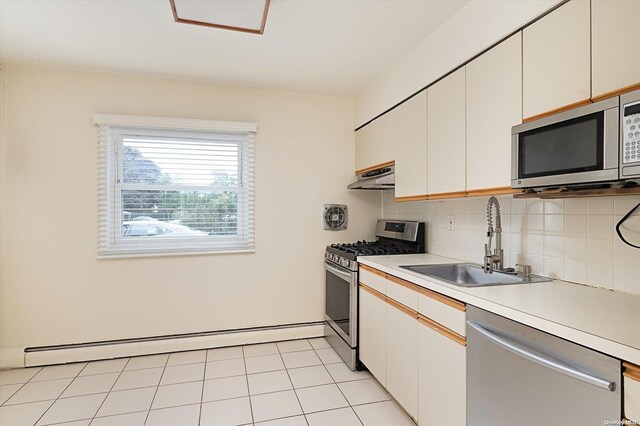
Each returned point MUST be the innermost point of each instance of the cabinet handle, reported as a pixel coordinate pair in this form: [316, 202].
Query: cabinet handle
[542, 359]
[428, 322]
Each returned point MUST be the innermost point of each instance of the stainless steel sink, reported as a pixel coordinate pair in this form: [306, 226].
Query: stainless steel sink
[471, 275]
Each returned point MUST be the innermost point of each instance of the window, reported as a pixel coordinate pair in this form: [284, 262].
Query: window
[174, 186]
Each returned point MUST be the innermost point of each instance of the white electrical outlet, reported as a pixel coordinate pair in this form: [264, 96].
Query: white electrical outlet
[452, 225]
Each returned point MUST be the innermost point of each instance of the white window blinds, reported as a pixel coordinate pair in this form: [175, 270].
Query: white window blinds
[173, 189]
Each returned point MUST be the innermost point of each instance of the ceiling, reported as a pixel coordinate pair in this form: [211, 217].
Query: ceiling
[326, 46]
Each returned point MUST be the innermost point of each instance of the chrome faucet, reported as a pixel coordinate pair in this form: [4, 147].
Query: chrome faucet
[493, 261]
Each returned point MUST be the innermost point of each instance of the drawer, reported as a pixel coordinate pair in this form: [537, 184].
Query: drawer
[632, 392]
[373, 278]
[444, 310]
[402, 292]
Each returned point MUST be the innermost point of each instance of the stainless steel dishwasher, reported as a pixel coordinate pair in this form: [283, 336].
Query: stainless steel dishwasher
[519, 375]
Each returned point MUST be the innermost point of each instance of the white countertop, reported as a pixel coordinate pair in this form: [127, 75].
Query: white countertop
[601, 319]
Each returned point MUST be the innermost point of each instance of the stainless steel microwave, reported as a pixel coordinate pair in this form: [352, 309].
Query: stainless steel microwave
[594, 144]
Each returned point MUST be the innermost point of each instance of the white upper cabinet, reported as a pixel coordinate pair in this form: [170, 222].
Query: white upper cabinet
[446, 134]
[557, 59]
[409, 128]
[614, 36]
[382, 140]
[494, 105]
[363, 148]
[374, 143]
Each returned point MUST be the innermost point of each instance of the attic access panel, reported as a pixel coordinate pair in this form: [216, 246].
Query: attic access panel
[249, 16]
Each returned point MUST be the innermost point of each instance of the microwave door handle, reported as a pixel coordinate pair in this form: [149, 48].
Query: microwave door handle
[338, 272]
[542, 359]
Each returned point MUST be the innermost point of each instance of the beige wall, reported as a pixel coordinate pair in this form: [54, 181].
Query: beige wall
[57, 292]
[474, 28]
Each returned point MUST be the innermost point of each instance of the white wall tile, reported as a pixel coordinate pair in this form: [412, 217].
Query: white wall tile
[572, 239]
[600, 205]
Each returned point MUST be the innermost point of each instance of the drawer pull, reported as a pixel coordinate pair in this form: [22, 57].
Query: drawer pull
[442, 330]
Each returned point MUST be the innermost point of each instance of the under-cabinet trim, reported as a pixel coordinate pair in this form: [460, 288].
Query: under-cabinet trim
[372, 291]
[456, 304]
[439, 328]
[443, 195]
[403, 283]
[499, 190]
[402, 308]
[631, 371]
[372, 270]
[616, 92]
[558, 110]
[376, 167]
[423, 197]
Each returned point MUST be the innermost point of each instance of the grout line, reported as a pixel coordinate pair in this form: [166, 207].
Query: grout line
[157, 388]
[246, 377]
[204, 379]
[110, 390]
[291, 381]
[63, 391]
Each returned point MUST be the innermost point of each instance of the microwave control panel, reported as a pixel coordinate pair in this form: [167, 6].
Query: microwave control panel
[631, 132]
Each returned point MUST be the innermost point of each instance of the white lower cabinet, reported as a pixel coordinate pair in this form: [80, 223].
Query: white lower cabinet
[373, 333]
[632, 392]
[402, 357]
[441, 379]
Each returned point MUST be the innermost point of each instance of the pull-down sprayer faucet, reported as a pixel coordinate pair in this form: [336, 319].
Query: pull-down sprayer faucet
[493, 261]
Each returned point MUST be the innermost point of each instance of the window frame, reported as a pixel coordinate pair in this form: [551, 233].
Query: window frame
[113, 129]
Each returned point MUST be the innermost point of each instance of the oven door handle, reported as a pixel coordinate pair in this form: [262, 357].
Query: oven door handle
[340, 273]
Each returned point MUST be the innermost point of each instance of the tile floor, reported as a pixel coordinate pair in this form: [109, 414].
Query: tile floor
[298, 382]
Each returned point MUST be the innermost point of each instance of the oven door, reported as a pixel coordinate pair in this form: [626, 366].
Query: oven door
[341, 305]
[570, 148]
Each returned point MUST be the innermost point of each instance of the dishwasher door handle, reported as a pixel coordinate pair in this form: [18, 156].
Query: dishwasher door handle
[542, 359]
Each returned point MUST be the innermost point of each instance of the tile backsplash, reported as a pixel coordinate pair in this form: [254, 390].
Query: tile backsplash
[571, 239]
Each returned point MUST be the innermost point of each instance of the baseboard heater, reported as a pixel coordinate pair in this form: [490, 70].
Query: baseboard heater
[107, 349]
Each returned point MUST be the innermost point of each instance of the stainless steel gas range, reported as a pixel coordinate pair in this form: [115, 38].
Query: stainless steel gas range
[341, 270]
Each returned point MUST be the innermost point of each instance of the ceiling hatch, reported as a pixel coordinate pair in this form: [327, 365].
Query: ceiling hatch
[249, 16]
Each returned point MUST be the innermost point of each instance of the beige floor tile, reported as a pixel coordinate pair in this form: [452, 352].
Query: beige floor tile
[86, 385]
[39, 391]
[71, 409]
[301, 359]
[272, 381]
[23, 414]
[275, 405]
[228, 412]
[319, 343]
[183, 373]
[224, 368]
[63, 371]
[342, 417]
[105, 366]
[321, 398]
[127, 401]
[294, 346]
[264, 363]
[383, 414]
[131, 419]
[175, 395]
[18, 375]
[151, 361]
[190, 357]
[309, 376]
[138, 379]
[260, 349]
[328, 356]
[186, 415]
[225, 388]
[220, 354]
[341, 373]
[288, 421]
[7, 391]
[363, 392]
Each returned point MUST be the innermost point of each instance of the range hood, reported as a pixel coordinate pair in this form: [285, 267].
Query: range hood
[383, 178]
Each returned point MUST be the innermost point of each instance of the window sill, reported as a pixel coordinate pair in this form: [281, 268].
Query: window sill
[170, 254]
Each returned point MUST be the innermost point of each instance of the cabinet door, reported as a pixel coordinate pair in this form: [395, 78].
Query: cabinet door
[494, 105]
[373, 334]
[382, 140]
[441, 379]
[409, 126]
[556, 58]
[402, 357]
[446, 135]
[614, 36]
[363, 148]
[632, 392]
